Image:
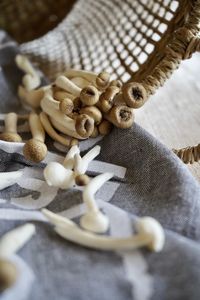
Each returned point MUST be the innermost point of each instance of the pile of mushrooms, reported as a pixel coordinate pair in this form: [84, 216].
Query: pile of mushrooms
[77, 105]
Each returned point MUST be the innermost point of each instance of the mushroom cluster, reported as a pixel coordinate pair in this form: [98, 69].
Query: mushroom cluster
[77, 105]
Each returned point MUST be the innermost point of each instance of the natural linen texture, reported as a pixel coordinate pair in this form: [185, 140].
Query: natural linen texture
[149, 180]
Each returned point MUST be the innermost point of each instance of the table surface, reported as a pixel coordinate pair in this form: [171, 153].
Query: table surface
[173, 114]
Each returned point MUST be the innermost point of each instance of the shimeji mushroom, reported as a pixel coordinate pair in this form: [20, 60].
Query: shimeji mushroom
[10, 243]
[82, 163]
[31, 79]
[67, 85]
[35, 149]
[150, 234]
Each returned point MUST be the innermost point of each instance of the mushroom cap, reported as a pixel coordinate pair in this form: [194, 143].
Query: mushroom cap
[35, 150]
[57, 175]
[8, 274]
[149, 227]
[10, 137]
[95, 222]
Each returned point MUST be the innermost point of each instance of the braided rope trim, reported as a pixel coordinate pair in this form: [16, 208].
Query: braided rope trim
[189, 155]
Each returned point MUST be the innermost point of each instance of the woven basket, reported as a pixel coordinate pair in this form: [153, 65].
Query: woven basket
[138, 40]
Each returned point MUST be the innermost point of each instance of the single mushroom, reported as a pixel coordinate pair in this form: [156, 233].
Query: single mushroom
[69, 162]
[150, 234]
[89, 76]
[89, 95]
[116, 83]
[134, 94]
[35, 149]
[10, 132]
[121, 116]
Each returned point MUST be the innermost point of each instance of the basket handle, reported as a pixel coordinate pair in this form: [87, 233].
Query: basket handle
[183, 44]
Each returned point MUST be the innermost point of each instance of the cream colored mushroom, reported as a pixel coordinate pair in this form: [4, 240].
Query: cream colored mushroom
[150, 234]
[67, 85]
[10, 132]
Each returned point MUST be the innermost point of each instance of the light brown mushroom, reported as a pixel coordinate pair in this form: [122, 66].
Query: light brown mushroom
[84, 125]
[121, 116]
[102, 80]
[134, 94]
[10, 132]
[82, 180]
[93, 112]
[66, 106]
[35, 149]
[89, 95]
[106, 100]
[105, 127]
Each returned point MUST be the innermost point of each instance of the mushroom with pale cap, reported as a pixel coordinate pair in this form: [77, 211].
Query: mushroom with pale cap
[150, 234]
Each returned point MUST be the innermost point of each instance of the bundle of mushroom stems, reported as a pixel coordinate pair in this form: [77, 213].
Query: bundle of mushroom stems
[77, 105]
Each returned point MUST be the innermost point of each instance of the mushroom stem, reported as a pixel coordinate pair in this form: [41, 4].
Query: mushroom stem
[35, 149]
[66, 141]
[81, 164]
[80, 82]
[10, 132]
[15, 239]
[67, 85]
[68, 162]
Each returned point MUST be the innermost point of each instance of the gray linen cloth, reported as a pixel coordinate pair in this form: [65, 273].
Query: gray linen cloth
[149, 180]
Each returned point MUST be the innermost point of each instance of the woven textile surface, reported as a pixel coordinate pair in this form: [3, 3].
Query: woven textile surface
[149, 180]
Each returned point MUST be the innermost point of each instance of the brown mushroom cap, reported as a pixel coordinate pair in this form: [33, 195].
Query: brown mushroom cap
[134, 94]
[121, 116]
[102, 80]
[84, 125]
[105, 127]
[35, 150]
[10, 137]
[8, 274]
[89, 95]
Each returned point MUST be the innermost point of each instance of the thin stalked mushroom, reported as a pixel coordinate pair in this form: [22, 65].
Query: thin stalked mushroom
[35, 149]
[134, 94]
[10, 132]
[67, 85]
[150, 234]
[81, 163]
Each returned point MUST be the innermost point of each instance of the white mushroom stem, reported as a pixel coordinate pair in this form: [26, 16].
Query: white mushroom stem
[150, 234]
[80, 82]
[32, 98]
[31, 80]
[68, 162]
[9, 178]
[15, 239]
[81, 164]
[90, 76]
[94, 220]
[66, 141]
[67, 85]
[56, 175]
